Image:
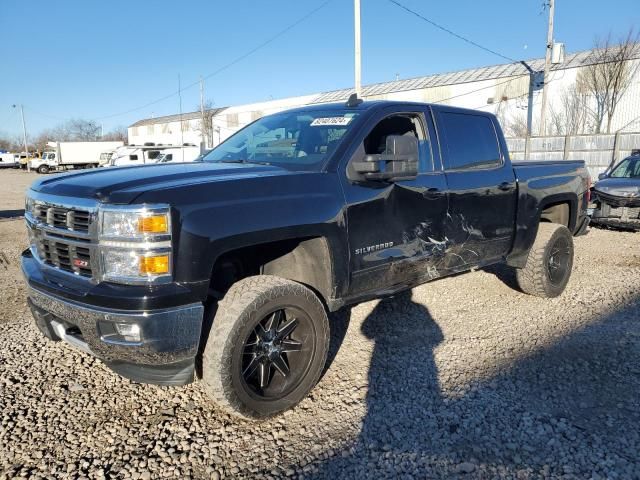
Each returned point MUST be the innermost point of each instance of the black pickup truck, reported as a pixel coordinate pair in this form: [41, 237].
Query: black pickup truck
[224, 270]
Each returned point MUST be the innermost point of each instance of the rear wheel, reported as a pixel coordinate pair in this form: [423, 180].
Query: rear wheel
[549, 263]
[267, 347]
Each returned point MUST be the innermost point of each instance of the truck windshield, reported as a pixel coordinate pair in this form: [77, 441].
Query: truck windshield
[292, 140]
[628, 168]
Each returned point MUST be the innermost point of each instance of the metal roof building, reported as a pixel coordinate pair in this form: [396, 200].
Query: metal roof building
[575, 60]
[176, 117]
[501, 89]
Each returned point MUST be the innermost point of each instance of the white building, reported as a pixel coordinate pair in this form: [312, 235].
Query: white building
[500, 89]
[225, 121]
[168, 130]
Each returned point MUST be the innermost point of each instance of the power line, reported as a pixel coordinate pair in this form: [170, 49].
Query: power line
[480, 89]
[228, 65]
[53, 117]
[451, 32]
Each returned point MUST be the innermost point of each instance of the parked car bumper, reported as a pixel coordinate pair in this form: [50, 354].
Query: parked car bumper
[628, 224]
[616, 217]
[160, 348]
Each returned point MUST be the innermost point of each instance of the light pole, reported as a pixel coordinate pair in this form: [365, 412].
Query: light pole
[24, 134]
[203, 140]
[358, 61]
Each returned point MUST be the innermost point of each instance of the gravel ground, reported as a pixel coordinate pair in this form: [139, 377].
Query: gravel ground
[464, 377]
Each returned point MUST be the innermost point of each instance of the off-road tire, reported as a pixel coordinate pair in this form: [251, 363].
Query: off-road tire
[535, 278]
[237, 313]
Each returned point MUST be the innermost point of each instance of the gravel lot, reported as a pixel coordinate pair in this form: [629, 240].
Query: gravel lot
[464, 377]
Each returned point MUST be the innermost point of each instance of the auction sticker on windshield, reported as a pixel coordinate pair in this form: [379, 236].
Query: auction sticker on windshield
[319, 122]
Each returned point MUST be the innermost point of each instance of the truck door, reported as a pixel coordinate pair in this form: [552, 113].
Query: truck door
[482, 188]
[394, 227]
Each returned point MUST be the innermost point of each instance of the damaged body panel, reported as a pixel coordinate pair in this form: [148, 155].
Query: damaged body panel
[468, 206]
[616, 197]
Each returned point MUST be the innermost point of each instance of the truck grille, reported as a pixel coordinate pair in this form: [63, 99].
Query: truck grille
[65, 218]
[64, 256]
[63, 237]
[620, 212]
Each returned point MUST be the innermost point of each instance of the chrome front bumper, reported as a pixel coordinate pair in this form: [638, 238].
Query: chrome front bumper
[163, 354]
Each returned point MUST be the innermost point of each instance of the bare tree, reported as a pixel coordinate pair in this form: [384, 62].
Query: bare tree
[82, 130]
[569, 115]
[118, 134]
[608, 76]
[206, 124]
[11, 143]
[516, 126]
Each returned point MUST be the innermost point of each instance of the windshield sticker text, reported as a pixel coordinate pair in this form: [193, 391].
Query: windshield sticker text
[324, 121]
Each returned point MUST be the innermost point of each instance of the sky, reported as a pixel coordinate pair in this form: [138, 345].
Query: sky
[107, 60]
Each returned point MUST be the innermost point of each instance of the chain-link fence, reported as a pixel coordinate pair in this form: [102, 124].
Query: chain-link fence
[598, 151]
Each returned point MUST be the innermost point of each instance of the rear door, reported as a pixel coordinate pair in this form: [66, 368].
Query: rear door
[481, 185]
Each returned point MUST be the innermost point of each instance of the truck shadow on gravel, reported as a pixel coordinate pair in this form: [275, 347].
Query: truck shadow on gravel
[505, 274]
[11, 214]
[569, 407]
[338, 326]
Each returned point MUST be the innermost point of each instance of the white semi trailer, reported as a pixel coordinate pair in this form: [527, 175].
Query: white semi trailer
[65, 155]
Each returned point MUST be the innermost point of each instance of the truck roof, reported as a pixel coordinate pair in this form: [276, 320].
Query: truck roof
[376, 105]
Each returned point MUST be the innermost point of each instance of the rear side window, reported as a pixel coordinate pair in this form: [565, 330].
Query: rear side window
[470, 140]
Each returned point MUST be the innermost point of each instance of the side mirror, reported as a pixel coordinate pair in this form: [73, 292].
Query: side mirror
[398, 162]
[602, 176]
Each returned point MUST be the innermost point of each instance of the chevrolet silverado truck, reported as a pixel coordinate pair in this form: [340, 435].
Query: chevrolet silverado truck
[224, 271]
[616, 196]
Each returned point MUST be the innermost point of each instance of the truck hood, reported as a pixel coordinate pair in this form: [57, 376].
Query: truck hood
[123, 184]
[621, 187]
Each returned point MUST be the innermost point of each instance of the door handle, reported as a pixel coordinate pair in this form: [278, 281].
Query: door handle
[505, 186]
[432, 193]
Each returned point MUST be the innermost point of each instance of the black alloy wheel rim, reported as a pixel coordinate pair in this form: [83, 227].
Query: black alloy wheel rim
[558, 262]
[277, 354]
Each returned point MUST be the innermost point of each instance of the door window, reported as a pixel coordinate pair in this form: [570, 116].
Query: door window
[471, 141]
[402, 124]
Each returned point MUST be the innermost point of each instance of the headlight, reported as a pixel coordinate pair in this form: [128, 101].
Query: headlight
[133, 266]
[29, 205]
[135, 244]
[137, 224]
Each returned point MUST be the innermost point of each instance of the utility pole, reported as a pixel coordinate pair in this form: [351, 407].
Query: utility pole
[358, 60]
[547, 65]
[203, 142]
[24, 134]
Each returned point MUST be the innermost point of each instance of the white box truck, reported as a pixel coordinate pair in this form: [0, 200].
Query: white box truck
[65, 155]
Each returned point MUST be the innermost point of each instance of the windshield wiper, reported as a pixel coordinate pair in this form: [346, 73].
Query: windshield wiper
[242, 160]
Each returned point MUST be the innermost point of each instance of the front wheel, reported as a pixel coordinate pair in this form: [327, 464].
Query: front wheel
[549, 263]
[43, 169]
[267, 347]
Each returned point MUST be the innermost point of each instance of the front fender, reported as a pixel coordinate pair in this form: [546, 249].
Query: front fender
[256, 211]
